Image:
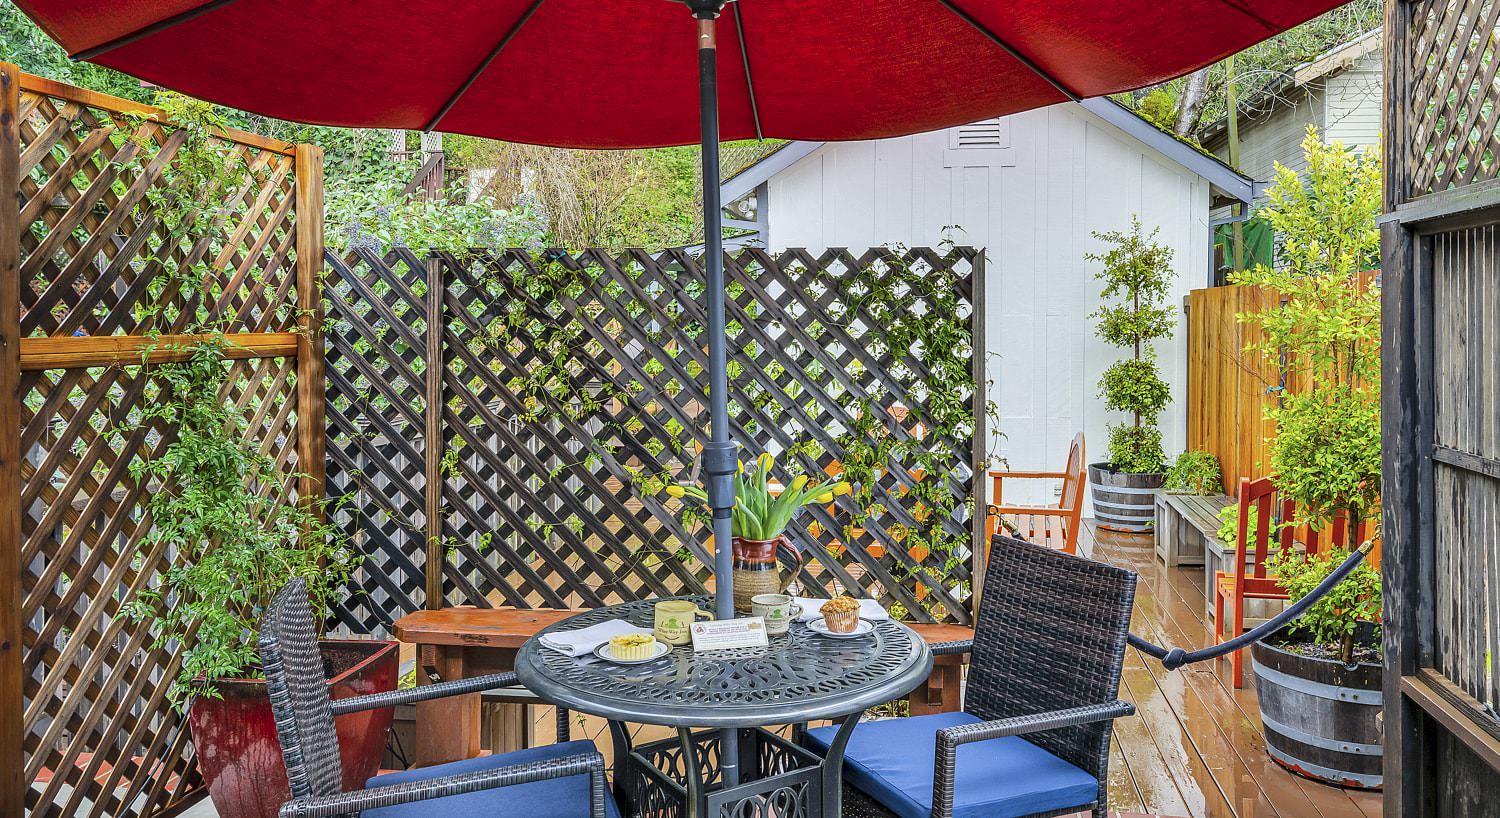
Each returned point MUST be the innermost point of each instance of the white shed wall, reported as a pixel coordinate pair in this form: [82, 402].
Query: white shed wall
[1060, 174]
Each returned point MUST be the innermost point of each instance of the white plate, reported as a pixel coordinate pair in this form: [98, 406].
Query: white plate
[820, 627]
[603, 652]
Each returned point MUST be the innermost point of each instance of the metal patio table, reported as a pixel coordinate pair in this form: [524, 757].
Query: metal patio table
[797, 678]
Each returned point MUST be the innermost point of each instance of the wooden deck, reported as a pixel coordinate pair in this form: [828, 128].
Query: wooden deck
[1195, 747]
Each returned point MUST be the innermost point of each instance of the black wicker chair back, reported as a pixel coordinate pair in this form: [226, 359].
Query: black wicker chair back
[293, 665]
[1051, 635]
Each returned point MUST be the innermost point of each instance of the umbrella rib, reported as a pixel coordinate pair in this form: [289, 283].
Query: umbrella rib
[1012, 51]
[149, 29]
[482, 67]
[739, 30]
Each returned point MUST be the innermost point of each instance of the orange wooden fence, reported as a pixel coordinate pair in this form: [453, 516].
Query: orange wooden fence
[1229, 389]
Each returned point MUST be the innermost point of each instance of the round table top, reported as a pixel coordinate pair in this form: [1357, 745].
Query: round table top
[798, 677]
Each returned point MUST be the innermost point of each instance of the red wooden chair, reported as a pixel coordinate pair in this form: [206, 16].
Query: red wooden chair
[1250, 579]
[1054, 526]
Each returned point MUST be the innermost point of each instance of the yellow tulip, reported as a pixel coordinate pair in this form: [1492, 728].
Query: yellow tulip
[798, 482]
[675, 490]
[825, 497]
[766, 461]
[840, 488]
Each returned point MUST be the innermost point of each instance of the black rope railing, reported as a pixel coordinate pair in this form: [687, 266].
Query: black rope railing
[1174, 658]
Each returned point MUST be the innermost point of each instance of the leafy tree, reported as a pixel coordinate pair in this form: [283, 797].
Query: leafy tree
[1326, 330]
[1136, 272]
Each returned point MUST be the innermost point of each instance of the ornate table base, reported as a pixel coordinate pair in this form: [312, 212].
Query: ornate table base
[680, 777]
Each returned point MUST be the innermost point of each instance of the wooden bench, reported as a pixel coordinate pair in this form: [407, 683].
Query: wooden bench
[1186, 526]
[454, 643]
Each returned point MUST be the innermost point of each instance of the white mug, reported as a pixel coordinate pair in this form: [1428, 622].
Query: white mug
[777, 609]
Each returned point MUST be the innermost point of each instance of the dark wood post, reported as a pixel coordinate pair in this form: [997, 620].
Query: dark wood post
[312, 428]
[12, 734]
[433, 436]
[981, 445]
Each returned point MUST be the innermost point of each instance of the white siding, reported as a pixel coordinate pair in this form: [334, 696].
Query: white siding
[1352, 104]
[1034, 203]
[1276, 137]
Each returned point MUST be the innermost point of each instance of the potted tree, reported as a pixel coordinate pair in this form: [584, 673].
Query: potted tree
[1136, 272]
[1326, 459]
[221, 505]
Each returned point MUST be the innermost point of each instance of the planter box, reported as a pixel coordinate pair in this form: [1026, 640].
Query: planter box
[234, 738]
[1124, 501]
[1322, 718]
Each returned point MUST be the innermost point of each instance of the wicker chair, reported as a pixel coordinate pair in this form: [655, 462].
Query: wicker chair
[561, 781]
[1045, 664]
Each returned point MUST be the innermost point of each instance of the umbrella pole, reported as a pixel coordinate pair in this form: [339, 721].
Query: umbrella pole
[719, 456]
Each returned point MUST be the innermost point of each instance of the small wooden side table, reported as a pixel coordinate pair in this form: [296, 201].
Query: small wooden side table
[455, 643]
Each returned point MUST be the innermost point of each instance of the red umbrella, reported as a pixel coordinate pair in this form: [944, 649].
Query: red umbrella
[619, 74]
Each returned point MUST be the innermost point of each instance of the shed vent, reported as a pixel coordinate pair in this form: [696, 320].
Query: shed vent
[983, 134]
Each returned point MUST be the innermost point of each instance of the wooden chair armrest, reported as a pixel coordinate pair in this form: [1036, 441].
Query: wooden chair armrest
[1051, 511]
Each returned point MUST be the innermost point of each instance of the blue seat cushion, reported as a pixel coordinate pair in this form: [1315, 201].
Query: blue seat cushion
[892, 760]
[558, 798]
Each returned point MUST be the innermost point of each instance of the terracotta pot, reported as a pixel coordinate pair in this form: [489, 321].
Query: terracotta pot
[235, 737]
[756, 570]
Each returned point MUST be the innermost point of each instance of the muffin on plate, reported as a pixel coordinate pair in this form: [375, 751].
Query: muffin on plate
[632, 646]
[841, 614]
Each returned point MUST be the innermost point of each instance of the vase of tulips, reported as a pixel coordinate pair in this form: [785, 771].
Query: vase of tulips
[762, 510]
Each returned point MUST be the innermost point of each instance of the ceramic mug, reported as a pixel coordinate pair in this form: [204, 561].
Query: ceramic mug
[672, 619]
[777, 609]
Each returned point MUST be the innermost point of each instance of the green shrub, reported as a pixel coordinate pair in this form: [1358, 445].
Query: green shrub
[1195, 471]
[1229, 525]
[1136, 449]
[1136, 272]
[1334, 618]
[1325, 332]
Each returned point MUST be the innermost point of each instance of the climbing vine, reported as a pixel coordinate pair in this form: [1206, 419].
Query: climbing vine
[216, 498]
[910, 486]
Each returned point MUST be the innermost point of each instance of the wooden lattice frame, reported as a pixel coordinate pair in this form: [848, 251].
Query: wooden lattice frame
[84, 709]
[592, 537]
[1451, 95]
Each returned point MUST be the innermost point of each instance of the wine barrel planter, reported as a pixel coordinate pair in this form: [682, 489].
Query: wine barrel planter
[1124, 501]
[1322, 717]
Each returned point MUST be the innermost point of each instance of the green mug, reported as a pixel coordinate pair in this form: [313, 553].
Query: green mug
[672, 619]
[777, 609]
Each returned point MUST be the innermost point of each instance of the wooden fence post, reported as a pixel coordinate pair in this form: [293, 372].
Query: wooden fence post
[981, 444]
[311, 387]
[12, 734]
[433, 435]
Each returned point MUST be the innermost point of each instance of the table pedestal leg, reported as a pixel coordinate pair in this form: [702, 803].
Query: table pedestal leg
[448, 728]
[697, 800]
[833, 767]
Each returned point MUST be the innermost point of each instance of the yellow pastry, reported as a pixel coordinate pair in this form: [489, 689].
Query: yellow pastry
[632, 646]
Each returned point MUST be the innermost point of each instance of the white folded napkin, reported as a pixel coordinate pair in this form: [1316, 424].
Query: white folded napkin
[813, 609]
[584, 640]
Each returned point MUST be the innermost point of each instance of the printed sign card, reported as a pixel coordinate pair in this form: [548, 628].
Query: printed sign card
[748, 632]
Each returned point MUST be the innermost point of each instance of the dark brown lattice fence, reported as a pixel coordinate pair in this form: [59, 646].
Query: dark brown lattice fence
[550, 484]
[98, 737]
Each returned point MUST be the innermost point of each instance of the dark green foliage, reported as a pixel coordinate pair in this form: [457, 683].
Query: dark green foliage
[1136, 449]
[1134, 385]
[1196, 472]
[1334, 618]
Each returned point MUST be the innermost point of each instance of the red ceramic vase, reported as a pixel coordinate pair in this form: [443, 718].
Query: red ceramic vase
[235, 737]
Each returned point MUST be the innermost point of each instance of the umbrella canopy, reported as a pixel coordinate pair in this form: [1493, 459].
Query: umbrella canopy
[622, 73]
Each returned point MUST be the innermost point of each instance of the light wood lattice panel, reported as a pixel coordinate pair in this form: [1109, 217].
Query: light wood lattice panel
[100, 739]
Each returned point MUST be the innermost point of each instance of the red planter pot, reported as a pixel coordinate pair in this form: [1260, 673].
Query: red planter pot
[235, 737]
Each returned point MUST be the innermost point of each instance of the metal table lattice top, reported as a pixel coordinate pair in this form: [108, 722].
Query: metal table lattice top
[798, 677]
